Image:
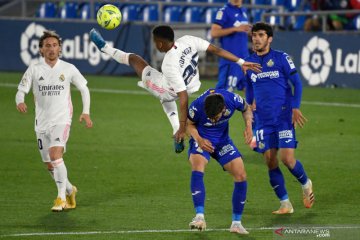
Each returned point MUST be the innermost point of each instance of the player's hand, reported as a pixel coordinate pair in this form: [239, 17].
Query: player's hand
[179, 135]
[243, 28]
[87, 119]
[256, 67]
[248, 134]
[21, 107]
[205, 145]
[298, 118]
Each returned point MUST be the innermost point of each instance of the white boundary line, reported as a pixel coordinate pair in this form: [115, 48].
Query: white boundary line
[172, 231]
[143, 92]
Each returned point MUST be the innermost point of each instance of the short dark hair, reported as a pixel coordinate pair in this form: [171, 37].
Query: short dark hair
[214, 104]
[164, 32]
[47, 34]
[263, 26]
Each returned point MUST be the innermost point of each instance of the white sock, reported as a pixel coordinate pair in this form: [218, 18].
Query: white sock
[306, 185]
[60, 177]
[200, 215]
[117, 54]
[68, 183]
[171, 111]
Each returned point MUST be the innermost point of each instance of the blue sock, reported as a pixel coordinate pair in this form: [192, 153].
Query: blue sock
[299, 172]
[278, 183]
[198, 191]
[238, 200]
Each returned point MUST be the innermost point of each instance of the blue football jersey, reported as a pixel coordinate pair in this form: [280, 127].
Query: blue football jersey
[270, 88]
[215, 132]
[236, 43]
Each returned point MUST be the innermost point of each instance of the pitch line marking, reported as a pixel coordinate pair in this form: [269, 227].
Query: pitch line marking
[143, 92]
[167, 231]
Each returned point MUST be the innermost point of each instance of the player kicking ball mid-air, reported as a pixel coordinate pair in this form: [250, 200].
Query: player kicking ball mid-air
[180, 75]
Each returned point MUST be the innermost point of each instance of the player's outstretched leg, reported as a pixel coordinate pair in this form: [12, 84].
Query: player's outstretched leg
[97, 39]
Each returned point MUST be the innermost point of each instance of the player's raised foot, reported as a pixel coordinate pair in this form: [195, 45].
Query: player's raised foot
[59, 205]
[236, 227]
[308, 194]
[285, 208]
[71, 199]
[97, 39]
[198, 223]
[179, 146]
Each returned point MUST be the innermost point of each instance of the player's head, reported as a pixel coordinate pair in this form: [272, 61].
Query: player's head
[262, 36]
[163, 37]
[214, 106]
[50, 45]
[237, 3]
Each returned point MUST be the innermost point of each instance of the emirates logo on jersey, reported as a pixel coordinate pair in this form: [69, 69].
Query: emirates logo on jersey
[62, 77]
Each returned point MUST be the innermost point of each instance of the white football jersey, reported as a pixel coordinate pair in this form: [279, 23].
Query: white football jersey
[51, 89]
[180, 64]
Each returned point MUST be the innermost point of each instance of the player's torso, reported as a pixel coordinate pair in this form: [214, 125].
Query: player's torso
[185, 59]
[271, 87]
[51, 88]
[236, 43]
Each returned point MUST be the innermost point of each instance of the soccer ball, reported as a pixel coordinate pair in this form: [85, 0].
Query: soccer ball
[108, 16]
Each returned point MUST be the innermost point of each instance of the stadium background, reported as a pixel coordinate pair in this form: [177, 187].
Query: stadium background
[132, 185]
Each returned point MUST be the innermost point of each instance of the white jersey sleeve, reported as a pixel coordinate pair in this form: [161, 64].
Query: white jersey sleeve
[26, 81]
[80, 83]
[197, 43]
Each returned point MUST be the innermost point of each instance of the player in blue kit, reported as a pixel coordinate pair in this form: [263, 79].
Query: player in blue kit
[231, 25]
[278, 113]
[208, 125]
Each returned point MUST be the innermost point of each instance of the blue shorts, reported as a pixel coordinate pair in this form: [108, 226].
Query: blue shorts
[277, 136]
[230, 77]
[223, 153]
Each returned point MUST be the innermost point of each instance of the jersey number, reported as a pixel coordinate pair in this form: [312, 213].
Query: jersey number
[40, 145]
[190, 70]
[259, 135]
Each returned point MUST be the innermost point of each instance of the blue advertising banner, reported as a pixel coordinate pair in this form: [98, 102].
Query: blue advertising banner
[20, 39]
[323, 59]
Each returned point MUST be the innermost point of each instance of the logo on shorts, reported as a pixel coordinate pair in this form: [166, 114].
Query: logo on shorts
[57, 139]
[261, 145]
[285, 134]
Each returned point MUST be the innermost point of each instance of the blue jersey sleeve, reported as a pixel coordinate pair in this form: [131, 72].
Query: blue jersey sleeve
[291, 74]
[221, 17]
[193, 113]
[239, 103]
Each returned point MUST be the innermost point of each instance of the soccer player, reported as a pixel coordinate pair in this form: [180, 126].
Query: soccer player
[180, 74]
[50, 81]
[278, 113]
[231, 25]
[208, 125]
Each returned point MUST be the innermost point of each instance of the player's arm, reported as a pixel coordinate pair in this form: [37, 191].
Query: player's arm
[20, 101]
[256, 67]
[297, 117]
[248, 119]
[23, 88]
[218, 31]
[204, 144]
[183, 104]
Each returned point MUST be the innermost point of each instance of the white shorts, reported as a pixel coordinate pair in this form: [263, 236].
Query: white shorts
[56, 136]
[153, 81]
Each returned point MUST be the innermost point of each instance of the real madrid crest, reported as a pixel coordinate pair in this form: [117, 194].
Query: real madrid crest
[62, 77]
[270, 63]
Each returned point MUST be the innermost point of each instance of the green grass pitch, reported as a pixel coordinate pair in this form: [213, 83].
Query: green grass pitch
[133, 186]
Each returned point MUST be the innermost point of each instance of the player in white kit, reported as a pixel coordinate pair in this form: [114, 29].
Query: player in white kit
[50, 80]
[180, 74]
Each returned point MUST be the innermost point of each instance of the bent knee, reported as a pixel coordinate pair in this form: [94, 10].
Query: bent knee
[239, 177]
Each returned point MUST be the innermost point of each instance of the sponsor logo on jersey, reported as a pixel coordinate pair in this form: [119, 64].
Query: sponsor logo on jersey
[253, 77]
[270, 63]
[62, 77]
[270, 74]
[285, 134]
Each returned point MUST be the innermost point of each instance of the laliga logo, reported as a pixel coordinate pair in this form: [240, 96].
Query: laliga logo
[29, 43]
[78, 48]
[316, 61]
